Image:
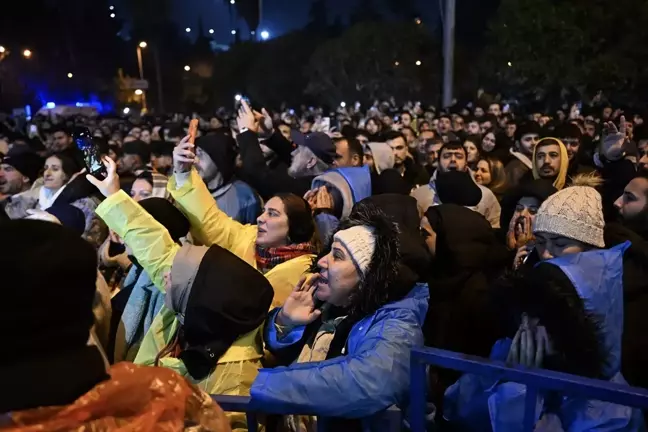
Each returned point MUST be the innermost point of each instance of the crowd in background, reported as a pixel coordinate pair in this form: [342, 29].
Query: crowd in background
[298, 257]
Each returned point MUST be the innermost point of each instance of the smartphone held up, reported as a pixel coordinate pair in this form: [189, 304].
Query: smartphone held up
[91, 153]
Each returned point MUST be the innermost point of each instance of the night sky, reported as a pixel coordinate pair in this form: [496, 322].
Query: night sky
[279, 16]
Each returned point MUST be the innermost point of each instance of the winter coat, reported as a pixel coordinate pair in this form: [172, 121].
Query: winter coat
[209, 225]
[155, 252]
[635, 299]
[489, 207]
[483, 403]
[371, 374]
[463, 313]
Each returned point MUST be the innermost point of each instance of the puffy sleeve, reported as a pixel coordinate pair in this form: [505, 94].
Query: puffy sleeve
[371, 378]
[148, 239]
[209, 224]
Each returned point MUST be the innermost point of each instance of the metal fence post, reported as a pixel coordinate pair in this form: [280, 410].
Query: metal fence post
[418, 392]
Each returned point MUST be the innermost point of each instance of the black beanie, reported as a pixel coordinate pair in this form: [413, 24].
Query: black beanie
[168, 215]
[139, 148]
[25, 161]
[49, 275]
[457, 187]
[221, 149]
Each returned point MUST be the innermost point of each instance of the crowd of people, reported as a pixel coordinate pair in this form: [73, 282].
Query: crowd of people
[297, 258]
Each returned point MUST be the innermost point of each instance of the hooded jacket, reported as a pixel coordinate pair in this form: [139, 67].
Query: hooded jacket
[352, 185]
[596, 277]
[561, 179]
[367, 366]
[383, 156]
[489, 207]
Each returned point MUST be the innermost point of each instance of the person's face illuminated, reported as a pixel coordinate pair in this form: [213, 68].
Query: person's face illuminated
[483, 174]
[338, 278]
[272, 225]
[452, 160]
[553, 246]
[141, 190]
[471, 151]
[548, 160]
[399, 148]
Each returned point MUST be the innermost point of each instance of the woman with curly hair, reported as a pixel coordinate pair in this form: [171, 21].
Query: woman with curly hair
[352, 322]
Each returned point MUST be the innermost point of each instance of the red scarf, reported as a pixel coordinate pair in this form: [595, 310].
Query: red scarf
[269, 258]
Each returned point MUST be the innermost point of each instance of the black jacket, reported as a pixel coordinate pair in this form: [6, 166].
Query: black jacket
[462, 314]
[634, 355]
[267, 181]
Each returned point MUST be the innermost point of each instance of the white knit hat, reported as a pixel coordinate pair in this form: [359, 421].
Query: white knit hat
[359, 240]
[575, 212]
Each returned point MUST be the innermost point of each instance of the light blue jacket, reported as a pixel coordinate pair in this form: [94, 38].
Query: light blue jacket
[144, 303]
[483, 404]
[372, 375]
[354, 185]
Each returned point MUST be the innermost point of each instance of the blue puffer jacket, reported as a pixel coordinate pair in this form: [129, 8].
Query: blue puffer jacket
[371, 376]
[484, 404]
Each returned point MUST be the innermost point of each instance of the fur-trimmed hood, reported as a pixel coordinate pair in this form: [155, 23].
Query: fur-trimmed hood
[579, 299]
[379, 285]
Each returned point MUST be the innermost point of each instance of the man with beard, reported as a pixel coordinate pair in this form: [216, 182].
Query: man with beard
[452, 157]
[632, 208]
[412, 173]
[550, 161]
[571, 135]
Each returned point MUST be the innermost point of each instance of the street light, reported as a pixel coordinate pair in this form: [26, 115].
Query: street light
[343, 104]
[211, 31]
[143, 44]
[510, 64]
[233, 32]
[112, 8]
[418, 21]
[232, 1]
[140, 63]
[139, 92]
[2, 49]
[396, 63]
[188, 29]
[27, 53]
[418, 62]
[126, 110]
[70, 75]
[112, 15]
[187, 68]
[265, 35]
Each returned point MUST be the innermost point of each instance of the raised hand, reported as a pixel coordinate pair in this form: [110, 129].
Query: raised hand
[246, 118]
[299, 307]
[613, 142]
[109, 185]
[530, 345]
[184, 156]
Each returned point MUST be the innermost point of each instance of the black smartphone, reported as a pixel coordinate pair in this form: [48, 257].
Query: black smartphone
[91, 154]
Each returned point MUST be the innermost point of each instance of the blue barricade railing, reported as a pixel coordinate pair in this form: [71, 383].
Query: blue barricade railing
[389, 419]
[534, 379]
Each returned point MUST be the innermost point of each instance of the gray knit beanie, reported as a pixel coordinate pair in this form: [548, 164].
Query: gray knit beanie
[575, 212]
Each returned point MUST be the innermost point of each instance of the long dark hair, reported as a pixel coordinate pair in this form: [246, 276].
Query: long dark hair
[68, 166]
[301, 225]
[379, 285]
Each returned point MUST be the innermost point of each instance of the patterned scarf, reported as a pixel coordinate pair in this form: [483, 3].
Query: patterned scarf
[269, 258]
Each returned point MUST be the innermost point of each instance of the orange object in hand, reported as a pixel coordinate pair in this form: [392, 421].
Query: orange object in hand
[193, 129]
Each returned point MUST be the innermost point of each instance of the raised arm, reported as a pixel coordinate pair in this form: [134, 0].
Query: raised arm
[209, 224]
[148, 239]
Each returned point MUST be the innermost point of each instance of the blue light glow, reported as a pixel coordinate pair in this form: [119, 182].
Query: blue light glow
[50, 105]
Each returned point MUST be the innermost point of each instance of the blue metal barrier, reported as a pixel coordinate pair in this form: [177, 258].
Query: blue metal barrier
[534, 379]
[390, 419]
